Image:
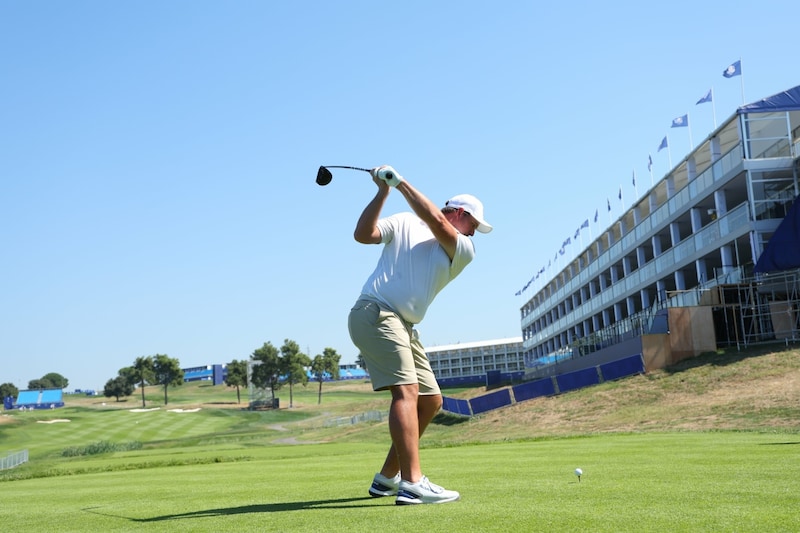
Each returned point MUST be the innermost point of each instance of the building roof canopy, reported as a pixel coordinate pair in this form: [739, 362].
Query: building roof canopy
[788, 100]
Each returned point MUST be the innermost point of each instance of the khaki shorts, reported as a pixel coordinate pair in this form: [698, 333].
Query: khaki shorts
[390, 347]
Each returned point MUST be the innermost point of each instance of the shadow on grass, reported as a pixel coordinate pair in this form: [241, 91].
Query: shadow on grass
[446, 419]
[342, 503]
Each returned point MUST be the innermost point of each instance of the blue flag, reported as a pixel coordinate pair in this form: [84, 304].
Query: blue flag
[577, 233]
[734, 69]
[586, 222]
[634, 178]
[706, 98]
[663, 144]
[650, 162]
[680, 122]
[596, 214]
[609, 204]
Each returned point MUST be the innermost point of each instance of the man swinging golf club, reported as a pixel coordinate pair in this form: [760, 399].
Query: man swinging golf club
[423, 251]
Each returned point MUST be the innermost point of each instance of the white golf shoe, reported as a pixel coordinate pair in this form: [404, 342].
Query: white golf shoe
[384, 486]
[424, 491]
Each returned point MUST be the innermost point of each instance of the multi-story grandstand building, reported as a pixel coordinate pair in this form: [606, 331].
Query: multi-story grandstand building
[674, 275]
[470, 362]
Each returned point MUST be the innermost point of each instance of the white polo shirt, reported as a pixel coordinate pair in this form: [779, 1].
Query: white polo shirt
[413, 266]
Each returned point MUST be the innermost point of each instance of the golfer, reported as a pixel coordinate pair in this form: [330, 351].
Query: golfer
[423, 251]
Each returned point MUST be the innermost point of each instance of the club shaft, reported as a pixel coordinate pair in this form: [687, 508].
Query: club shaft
[351, 168]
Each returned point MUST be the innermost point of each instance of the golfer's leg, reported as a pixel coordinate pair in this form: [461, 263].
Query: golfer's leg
[404, 430]
[427, 407]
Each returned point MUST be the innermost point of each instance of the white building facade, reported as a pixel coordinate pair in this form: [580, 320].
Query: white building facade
[457, 362]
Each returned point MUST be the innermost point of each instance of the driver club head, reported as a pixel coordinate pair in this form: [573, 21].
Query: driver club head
[324, 176]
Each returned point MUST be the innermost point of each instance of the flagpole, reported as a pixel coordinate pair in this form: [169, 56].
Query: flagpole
[741, 77]
[635, 189]
[669, 153]
[689, 123]
[713, 107]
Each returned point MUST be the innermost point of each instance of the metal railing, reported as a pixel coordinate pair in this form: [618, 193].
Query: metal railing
[13, 460]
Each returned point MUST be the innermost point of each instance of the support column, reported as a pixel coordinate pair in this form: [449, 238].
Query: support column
[631, 303]
[726, 255]
[720, 202]
[674, 233]
[680, 282]
[655, 242]
[626, 266]
[661, 291]
[697, 220]
[641, 256]
[702, 273]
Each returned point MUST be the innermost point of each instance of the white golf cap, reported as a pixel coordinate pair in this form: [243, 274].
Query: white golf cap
[473, 206]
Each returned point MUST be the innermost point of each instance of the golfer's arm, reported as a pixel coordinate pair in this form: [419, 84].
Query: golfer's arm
[367, 231]
[444, 232]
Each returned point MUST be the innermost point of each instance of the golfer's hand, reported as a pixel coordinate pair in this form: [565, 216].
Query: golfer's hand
[387, 174]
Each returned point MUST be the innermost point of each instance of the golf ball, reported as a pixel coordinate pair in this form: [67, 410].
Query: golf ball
[578, 472]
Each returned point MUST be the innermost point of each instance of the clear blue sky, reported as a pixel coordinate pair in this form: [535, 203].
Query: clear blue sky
[157, 159]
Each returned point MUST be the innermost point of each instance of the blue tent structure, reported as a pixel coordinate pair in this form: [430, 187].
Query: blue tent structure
[783, 249]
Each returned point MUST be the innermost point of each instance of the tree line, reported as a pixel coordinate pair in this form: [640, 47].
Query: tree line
[272, 369]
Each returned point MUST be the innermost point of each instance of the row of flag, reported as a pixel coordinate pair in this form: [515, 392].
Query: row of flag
[733, 70]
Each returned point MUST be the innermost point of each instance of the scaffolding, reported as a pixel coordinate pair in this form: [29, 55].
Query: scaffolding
[763, 308]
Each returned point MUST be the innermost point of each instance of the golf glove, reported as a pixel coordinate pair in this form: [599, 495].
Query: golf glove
[387, 174]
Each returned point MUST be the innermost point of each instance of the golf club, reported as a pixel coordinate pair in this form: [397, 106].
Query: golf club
[324, 175]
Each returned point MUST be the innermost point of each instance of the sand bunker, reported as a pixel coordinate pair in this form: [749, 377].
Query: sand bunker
[52, 421]
[184, 410]
[144, 410]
